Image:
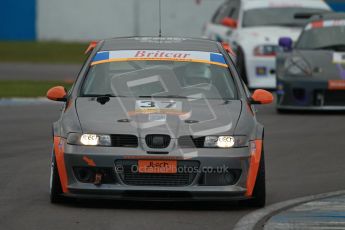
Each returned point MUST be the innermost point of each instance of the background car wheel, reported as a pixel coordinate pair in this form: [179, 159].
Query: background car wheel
[241, 65]
[281, 111]
[284, 111]
[259, 193]
[55, 184]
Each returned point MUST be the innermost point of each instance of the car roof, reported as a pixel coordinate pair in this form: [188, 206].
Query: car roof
[254, 4]
[328, 16]
[327, 19]
[159, 43]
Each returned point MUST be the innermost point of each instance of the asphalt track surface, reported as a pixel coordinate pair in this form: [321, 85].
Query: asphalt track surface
[304, 155]
[31, 71]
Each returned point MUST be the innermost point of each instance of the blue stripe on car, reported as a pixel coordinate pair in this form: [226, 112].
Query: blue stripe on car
[214, 57]
[101, 56]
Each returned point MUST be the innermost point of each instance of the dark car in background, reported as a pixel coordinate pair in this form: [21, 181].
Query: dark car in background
[311, 74]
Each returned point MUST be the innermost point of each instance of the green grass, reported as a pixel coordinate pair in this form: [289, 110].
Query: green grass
[20, 88]
[42, 52]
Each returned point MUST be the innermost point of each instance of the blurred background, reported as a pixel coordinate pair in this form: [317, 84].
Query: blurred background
[42, 42]
[38, 35]
[84, 20]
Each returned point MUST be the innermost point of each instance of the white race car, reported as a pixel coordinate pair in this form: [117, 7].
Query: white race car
[253, 28]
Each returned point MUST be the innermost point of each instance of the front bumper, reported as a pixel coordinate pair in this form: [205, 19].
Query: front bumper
[298, 93]
[261, 72]
[194, 188]
[169, 195]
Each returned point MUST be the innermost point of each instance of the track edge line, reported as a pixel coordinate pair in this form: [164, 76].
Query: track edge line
[257, 219]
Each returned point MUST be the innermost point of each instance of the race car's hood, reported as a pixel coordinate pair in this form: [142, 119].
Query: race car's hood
[268, 34]
[176, 117]
[324, 63]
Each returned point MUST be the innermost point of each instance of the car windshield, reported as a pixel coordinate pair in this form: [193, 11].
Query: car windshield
[284, 16]
[323, 35]
[160, 77]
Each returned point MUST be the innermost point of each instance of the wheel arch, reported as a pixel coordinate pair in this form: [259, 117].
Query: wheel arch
[260, 132]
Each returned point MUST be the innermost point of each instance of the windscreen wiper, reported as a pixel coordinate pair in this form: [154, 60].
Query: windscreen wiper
[289, 25]
[102, 98]
[102, 95]
[164, 96]
[339, 47]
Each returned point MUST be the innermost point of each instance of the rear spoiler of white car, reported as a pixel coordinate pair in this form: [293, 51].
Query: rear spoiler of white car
[306, 15]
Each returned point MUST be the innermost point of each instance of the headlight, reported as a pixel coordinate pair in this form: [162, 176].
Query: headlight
[89, 139]
[266, 50]
[297, 66]
[225, 141]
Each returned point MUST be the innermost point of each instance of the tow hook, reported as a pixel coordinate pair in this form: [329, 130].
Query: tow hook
[98, 179]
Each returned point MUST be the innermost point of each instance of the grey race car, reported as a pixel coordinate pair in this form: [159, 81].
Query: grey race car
[311, 75]
[158, 118]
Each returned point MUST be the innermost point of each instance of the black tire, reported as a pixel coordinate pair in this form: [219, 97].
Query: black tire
[241, 65]
[281, 111]
[284, 111]
[259, 193]
[55, 186]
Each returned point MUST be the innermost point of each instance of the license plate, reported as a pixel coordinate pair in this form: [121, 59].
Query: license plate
[157, 166]
[336, 84]
[261, 71]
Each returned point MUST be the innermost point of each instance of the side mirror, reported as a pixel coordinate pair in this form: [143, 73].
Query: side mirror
[229, 22]
[286, 43]
[228, 48]
[91, 46]
[57, 93]
[261, 96]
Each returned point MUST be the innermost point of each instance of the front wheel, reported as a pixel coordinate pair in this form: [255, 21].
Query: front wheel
[259, 193]
[55, 184]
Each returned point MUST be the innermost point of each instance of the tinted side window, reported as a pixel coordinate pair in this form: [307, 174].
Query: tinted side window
[223, 12]
[215, 16]
[236, 12]
[234, 9]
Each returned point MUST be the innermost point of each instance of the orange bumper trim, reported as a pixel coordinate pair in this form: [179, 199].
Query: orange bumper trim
[60, 161]
[254, 167]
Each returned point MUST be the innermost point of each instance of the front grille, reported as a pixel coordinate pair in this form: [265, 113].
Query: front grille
[118, 140]
[191, 142]
[299, 94]
[157, 179]
[157, 141]
[183, 177]
[334, 98]
[157, 194]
